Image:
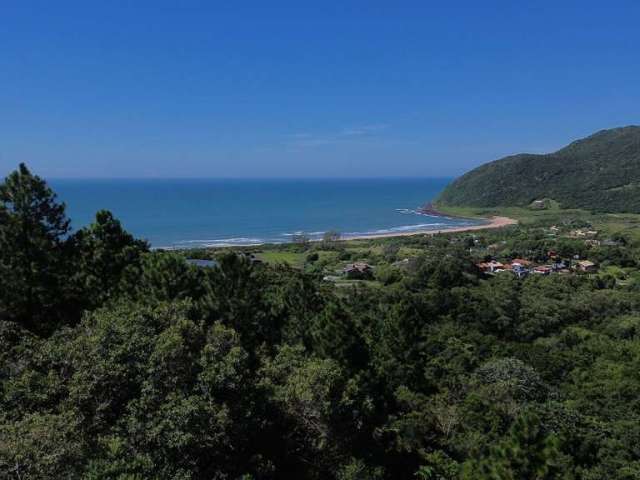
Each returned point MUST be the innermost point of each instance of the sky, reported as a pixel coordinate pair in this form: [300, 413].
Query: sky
[343, 88]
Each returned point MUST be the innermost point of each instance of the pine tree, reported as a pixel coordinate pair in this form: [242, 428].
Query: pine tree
[103, 251]
[33, 233]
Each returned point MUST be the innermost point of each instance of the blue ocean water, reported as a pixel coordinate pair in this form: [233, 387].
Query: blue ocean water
[217, 212]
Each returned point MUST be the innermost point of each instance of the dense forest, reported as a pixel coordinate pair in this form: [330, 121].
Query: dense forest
[120, 362]
[600, 172]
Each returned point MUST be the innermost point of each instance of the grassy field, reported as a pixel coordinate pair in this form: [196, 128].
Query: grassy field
[292, 259]
[608, 223]
[381, 253]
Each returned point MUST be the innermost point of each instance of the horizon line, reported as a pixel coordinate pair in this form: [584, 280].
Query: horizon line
[386, 177]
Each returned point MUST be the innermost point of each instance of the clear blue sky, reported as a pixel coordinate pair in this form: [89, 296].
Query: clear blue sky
[340, 88]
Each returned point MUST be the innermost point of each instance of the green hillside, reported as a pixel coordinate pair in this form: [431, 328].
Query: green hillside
[600, 172]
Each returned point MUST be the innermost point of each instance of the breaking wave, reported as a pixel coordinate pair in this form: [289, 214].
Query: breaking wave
[287, 237]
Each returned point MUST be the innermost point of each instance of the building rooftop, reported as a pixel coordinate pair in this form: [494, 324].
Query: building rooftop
[202, 263]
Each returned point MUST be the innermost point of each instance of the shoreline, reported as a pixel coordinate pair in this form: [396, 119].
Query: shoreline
[494, 222]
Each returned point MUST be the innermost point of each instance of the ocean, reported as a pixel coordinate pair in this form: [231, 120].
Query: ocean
[186, 213]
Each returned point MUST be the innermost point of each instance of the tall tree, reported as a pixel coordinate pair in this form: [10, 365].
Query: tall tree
[103, 251]
[33, 233]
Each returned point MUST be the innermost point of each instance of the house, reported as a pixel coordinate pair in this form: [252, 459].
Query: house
[519, 270]
[490, 267]
[586, 266]
[196, 262]
[590, 242]
[559, 265]
[521, 262]
[359, 270]
[542, 270]
[579, 233]
[610, 243]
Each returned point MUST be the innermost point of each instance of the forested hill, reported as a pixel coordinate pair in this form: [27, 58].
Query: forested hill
[118, 362]
[600, 172]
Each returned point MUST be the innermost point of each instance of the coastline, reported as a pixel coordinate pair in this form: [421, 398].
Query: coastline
[494, 222]
[430, 209]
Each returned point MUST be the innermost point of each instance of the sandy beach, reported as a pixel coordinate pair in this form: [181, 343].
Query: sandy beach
[494, 222]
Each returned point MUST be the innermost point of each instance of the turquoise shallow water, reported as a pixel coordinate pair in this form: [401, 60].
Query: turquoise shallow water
[214, 212]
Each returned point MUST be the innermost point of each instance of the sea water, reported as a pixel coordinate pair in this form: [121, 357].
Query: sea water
[184, 213]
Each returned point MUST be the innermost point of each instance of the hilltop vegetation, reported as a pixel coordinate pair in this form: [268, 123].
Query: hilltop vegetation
[121, 363]
[600, 173]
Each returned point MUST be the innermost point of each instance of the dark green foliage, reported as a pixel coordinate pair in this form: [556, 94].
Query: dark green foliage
[41, 446]
[443, 268]
[388, 275]
[33, 230]
[128, 364]
[525, 454]
[163, 277]
[335, 335]
[600, 172]
[103, 251]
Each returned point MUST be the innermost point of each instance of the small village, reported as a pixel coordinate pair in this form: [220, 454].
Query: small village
[571, 247]
[576, 257]
[521, 267]
[552, 262]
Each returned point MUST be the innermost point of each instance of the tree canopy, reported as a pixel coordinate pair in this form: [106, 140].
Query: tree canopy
[118, 362]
